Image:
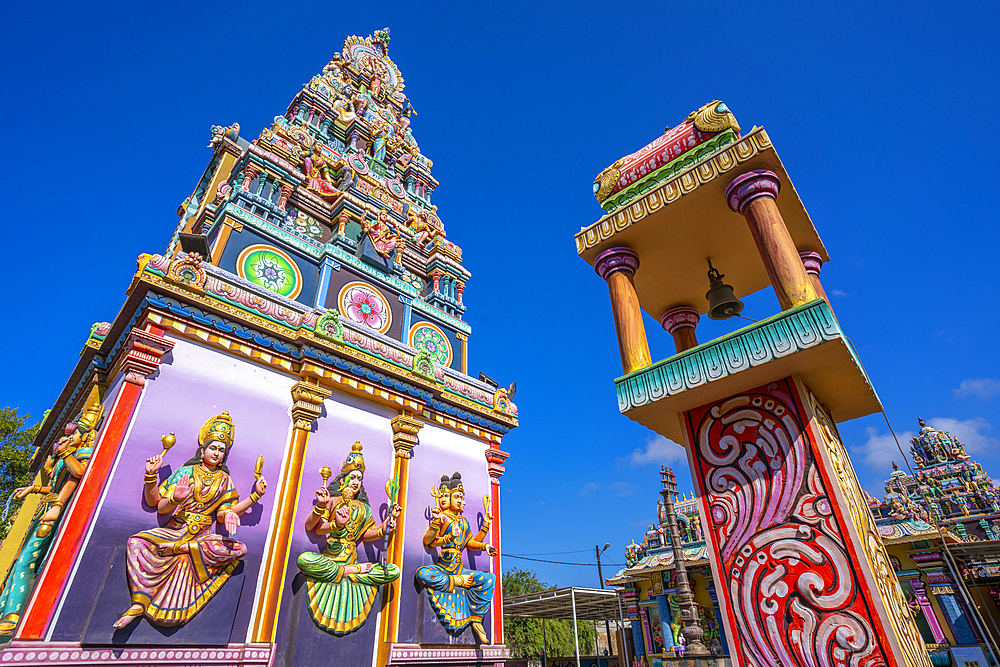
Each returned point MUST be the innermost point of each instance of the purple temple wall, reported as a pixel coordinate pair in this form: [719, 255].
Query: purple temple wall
[193, 384]
[440, 452]
[345, 419]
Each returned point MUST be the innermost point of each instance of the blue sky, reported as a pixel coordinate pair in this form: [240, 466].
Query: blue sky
[883, 116]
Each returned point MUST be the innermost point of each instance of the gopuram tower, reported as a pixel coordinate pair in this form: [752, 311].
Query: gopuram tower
[274, 453]
[803, 575]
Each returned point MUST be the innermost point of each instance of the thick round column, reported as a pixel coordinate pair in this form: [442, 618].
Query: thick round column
[680, 322]
[813, 263]
[752, 195]
[618, 266]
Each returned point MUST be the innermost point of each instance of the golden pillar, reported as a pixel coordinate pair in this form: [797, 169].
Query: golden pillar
[618, 266]
[753, 195]
[464, 338]
[404, 439]
[308, 400]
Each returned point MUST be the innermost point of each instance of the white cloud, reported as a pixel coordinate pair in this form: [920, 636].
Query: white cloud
[970, 432]
[657, 450]
[837, 292]
[623, 489]
[981, 388]
[880, 450]
[589, 488]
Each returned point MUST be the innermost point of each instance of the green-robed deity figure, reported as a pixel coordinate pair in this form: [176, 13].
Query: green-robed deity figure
[460, 597]
[341, 590]
[175, 570]
[63, 468]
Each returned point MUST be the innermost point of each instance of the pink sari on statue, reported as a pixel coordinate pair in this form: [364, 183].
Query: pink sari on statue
[173, 588]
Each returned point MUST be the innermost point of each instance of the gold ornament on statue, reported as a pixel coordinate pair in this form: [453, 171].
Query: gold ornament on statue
[167, 441]
[326, 474]
[258, 468]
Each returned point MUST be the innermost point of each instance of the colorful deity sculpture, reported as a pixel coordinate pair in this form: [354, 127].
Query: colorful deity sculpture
[175, 570]
[341, 590]
[64, 467]
[317, 170]
[460, 597]
[380, 234]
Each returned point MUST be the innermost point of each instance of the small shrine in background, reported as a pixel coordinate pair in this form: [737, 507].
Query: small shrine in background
[948, 498]
[648, 586]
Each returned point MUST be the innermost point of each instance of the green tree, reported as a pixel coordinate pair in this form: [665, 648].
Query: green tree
[15, 458]
[523, 636]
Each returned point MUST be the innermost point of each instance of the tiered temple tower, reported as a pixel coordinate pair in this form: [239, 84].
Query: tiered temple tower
[304, 323]
[807, 579]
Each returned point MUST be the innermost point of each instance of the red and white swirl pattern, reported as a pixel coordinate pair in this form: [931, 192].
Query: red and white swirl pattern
[795, 597]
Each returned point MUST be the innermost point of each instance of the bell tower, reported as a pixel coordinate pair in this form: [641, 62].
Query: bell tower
[793, 545]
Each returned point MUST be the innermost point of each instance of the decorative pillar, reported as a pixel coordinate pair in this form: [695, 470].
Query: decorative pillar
[789, 532]
[404, 438]
[714, 595]
[459, 288]
[308, 400]
[143, 353]
[691, 629]
[495, 466]
[957, 620]
[666, 618]
[249, 172]
[407, 316]
[680, 322]
[920, 591]
[286, 192]
[618, 266]
[464, 340]
[813, 263]
[752, 195]
[436, 275]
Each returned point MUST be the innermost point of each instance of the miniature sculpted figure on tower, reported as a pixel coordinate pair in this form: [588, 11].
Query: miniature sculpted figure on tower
[341, 590]
[64, 467]
[173, 571]
[460, 597]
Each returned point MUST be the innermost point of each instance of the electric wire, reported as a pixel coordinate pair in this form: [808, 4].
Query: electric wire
[542, 560]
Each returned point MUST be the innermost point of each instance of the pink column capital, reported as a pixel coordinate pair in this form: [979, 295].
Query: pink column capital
[614, 260]
[752, 185]
[678, 318]
[920, 589]
[812, 261]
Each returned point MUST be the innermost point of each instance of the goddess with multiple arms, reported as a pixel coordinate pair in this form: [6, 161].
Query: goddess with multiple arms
[174, 571]
[460, 597]
[341, 590]
[64, 467]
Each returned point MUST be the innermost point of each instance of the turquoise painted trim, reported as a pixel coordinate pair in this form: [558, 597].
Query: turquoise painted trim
[372, 272]
[441, 316]
[269, 229]
[788, 332]
[325, 273]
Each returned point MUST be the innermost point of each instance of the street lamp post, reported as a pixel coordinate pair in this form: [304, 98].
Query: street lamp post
[689, 610]
[600, 574]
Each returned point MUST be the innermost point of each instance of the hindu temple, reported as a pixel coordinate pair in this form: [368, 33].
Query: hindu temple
[274, 453]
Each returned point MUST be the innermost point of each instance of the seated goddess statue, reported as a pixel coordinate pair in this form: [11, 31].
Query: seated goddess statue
[460, 597]
[174, 571]
[341, 590]
[63, 468]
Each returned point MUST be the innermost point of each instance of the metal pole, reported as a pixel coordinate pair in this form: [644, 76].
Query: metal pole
[621, 619]
[576, 635]
[600, 574]
[545, 653]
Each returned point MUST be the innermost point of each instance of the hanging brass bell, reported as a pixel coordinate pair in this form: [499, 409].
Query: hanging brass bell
[722, 303]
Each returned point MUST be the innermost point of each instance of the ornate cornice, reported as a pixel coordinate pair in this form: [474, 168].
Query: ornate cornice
[707, 170]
